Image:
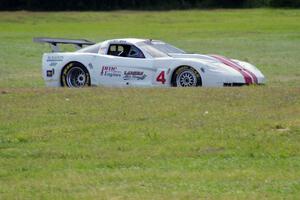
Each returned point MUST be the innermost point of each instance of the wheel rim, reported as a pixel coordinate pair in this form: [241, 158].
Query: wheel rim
[76, 77]
[186, 79]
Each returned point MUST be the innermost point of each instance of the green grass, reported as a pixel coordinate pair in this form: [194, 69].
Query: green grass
[106, 143]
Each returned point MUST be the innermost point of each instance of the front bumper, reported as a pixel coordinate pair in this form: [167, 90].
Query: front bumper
[238, 84]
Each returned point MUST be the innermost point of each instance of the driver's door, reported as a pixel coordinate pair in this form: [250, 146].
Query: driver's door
[125, 65]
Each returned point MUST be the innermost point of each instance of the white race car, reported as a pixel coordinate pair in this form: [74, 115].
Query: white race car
[141, 63]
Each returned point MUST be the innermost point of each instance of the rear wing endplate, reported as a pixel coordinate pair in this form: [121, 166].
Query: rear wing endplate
[55, 41]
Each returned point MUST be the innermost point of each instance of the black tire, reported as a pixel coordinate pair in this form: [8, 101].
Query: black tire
[75, 75]
[186, 76]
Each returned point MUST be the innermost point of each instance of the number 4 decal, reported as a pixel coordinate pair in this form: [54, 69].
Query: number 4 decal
[161, 77]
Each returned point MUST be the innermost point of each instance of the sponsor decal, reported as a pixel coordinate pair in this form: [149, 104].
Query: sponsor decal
[169, 70]
[110, 72]
[134, 75]
[53, 64]
[55, 58]
[119, 41]
[50, 73]
[91, 66]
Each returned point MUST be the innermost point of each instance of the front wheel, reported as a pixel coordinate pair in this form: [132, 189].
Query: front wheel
[75, 75]
[186, 77]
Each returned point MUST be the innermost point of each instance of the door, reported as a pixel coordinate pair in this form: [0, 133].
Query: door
[125, 65]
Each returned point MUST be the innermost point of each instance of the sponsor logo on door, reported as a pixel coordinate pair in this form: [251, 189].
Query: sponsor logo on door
[134, 75]
[110, 71]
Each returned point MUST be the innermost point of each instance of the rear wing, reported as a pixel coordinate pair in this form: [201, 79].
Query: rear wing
[55, 41]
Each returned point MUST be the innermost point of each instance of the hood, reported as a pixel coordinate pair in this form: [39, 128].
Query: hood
[205, 58]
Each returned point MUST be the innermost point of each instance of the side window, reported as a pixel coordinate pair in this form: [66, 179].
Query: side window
[135, 53]
[125, 50]
[115, 50]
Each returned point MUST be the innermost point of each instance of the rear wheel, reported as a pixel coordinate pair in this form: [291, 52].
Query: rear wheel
[186, 77]
[75, 75]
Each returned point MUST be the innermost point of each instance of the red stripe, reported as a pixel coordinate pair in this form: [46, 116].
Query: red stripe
[249, 77]
[253, 75]
[254, 78]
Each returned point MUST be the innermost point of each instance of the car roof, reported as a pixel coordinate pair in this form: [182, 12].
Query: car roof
[128, 40]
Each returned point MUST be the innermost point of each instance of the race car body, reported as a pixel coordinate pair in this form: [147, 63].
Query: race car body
[141, 63]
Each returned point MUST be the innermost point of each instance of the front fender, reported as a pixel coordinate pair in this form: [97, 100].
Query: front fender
[211, 77]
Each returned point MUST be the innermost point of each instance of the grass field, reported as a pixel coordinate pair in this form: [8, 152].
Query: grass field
[105, 143]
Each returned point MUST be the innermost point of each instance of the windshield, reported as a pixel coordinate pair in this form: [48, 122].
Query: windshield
[154, 52]
[159, 49]
[166, 48]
